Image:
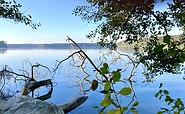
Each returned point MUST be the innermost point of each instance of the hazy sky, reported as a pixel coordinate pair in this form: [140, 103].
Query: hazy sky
[56, 19]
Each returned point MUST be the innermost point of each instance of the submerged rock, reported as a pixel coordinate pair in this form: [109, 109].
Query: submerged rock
[28, 105]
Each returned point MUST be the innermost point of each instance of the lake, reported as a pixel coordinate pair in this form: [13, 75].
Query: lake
[65, 80]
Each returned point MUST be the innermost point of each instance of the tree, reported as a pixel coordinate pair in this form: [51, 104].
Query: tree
[11, 10]
[137, 20]
[141, 24]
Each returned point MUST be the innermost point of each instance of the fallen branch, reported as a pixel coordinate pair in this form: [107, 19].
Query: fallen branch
[72, 105]
[31, 86]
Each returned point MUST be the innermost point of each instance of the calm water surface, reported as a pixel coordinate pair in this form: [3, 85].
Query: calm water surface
[66, 88]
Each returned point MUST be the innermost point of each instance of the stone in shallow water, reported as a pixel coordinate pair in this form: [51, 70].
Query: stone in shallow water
[28, 105]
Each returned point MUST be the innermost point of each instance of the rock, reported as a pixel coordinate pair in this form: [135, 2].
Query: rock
[28, 105]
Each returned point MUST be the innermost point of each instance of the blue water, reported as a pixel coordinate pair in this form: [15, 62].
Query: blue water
[66, 88]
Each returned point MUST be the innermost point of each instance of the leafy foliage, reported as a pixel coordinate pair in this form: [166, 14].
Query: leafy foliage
[137, 20]
[132, 18]
[177, 106]
[112, 79]
[11, 10]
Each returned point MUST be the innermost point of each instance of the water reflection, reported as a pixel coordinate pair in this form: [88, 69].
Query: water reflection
[125, 49]
[65, 90]
[3, 50]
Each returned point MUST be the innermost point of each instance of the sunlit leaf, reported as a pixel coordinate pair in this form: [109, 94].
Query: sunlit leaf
[107, 86]
[100, 112]
[175, 112]
[106, 102]
[134, 110]
[116, 76]
[136, 103]
[124, 108]
[111, 111]
[125, 91]
[118, 112]
[108, 95]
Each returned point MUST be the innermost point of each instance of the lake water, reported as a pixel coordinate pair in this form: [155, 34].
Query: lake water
[66, 88]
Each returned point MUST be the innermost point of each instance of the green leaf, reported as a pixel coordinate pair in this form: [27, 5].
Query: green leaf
[124, 108]
[116, 76]
[181, 58]
[175, 112]
[157, 94]
[107, 86]
[119, 112]
[159, 112]
[105, 65]
[104, 70]
[176, 64]
[161, 84]
[111, 111]
[125, 91]
[159, 48]
[136, 103]
[160, 96]
[168, 98]
[166, 39]
[108, 95]
[133, 110]
[172, 53]
[100, 113]
[106, 102]
[95, 107]
[165, 92]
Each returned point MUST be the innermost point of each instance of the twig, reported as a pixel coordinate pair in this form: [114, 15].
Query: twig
[88, 58]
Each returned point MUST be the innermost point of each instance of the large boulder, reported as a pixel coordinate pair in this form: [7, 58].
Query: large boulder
[28, 105]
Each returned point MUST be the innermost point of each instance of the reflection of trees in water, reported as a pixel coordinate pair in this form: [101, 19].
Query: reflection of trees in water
[106, 76]
[3, 51]
[11, 82]
[125, 49]
[108, 80]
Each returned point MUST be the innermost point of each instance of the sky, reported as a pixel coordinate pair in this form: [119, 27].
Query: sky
[57, 22]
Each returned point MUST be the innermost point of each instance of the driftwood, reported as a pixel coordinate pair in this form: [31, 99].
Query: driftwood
[73, 104]
[31, 86]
